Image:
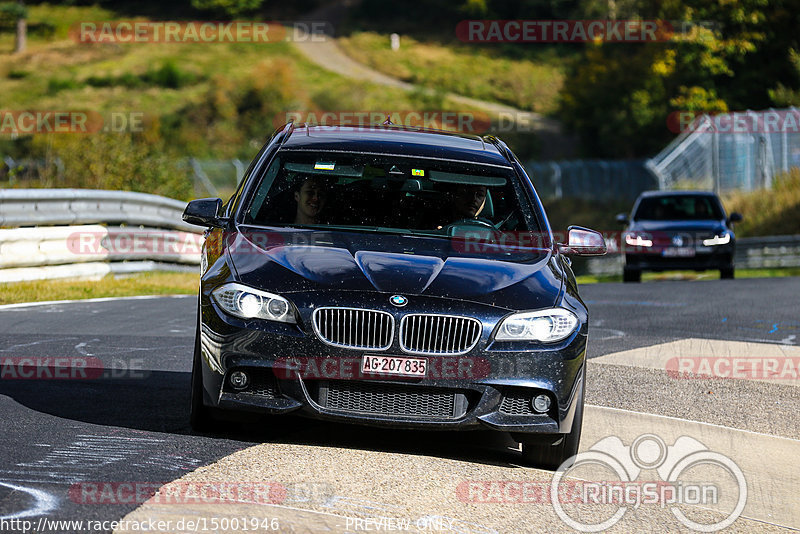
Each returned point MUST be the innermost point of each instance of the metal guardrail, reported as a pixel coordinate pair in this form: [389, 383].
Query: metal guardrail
[52, 234]
[49, 207]
[766, 252]
[37, 249]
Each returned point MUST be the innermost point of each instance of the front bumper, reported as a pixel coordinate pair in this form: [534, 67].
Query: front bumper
[703, 259]
[491, 386]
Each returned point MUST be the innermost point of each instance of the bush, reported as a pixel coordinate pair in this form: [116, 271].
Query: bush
[168, 76]
[233, 117]
[774, 211]
[56, 85]
[18, 74]
[112, 161]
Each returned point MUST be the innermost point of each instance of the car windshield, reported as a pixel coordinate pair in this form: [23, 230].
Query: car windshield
[678, 208]
[392, 194]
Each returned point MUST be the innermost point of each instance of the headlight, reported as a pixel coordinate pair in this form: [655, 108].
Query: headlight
[544, 325]
[638, 241]
[249, 303]
[718, 240]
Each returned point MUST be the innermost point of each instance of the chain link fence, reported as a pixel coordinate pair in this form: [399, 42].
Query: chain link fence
[591, 179]
[730, 151]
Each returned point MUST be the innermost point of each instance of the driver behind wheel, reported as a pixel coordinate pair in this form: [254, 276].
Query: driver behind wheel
[467, 201]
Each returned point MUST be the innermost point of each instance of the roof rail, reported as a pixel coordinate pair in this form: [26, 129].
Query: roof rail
[501, 147]
[286, 132]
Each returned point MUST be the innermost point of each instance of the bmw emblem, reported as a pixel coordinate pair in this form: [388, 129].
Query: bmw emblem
[398, 300]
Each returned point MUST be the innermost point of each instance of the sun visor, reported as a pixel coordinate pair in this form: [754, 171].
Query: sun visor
[466, 179]
[326, 168]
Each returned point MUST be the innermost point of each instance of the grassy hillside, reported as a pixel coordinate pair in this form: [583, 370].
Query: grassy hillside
[529, 84]
[218, 100]
[774, 211]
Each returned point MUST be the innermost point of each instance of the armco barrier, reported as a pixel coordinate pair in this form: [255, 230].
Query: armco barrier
[765, 252]
[75, 233]
[35, 249]
[49, 207]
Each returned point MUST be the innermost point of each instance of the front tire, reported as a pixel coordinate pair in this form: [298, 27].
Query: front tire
[727, 273]
[202, 418]
[549, 451]
[631, 275]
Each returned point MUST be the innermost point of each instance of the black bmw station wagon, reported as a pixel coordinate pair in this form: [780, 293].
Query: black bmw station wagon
[391, 276]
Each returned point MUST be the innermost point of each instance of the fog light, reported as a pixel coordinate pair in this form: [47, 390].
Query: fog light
[541, 403]
[239, 380]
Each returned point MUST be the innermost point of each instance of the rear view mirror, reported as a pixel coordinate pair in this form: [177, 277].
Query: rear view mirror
[622, 218]
[583, 242]
[204, 212]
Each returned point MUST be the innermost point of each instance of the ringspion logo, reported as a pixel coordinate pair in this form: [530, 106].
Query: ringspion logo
[689, 474]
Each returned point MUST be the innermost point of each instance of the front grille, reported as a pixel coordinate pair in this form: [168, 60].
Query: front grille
[517, 403]
[392, 399]
[438, 334]
[264, 387]
[354, 328]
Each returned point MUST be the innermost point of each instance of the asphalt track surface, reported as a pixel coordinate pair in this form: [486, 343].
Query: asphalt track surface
[129, 422]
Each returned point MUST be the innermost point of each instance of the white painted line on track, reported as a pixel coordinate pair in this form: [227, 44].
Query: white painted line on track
[712, 358]
[78, 301]
[44, 502]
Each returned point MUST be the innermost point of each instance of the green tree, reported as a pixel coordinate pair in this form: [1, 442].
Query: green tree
[229, 8]
[618, 97]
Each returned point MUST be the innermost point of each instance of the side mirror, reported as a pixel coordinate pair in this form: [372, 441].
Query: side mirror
[204, 212]
[583, 242]
[622, 218]
[734, 217]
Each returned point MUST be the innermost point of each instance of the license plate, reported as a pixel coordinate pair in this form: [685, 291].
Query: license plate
[679, 252]
[392, 365]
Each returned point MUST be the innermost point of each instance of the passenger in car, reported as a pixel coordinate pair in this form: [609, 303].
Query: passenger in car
[310, 196]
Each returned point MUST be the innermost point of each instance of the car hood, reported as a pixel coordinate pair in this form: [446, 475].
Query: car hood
[678, 226]
[349, 261]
